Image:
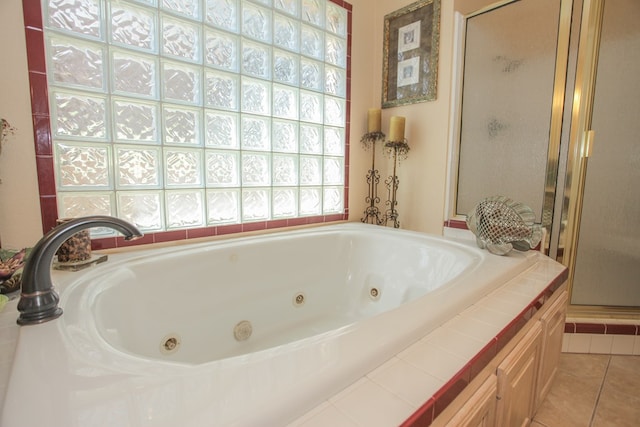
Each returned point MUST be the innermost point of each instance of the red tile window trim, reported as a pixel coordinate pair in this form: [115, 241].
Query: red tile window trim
[425, 415]
[36, 64]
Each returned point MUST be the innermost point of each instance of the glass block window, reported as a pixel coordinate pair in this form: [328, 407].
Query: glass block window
[176, 114]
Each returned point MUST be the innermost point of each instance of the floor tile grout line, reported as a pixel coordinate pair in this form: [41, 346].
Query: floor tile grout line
[595, 406]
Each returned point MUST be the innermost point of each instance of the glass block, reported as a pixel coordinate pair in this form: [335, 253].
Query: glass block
[333, 201]
[76, 63]
[285, 136]
[333, 170]
[134, 27]
[180, 39]
[310, 139]
[256, 59]
[335, 81]
[221, 129]
[256, 96]
[285, 170]
[134, 74]
[310, 170]
[334, 141]
[223, 14]
[334, 111]
[83, 167]
[181, 82]
[188, 8]
[311, 107]
[256, 169]
[143, 209]
[135, 121]
[185, 208]
[285, 67]
[310, 201]
[256, 204]
[79, 116]
[312, 42]
[285, 202]
[79, 204]
[222, 168]
[336, 19]
[264, 2]
[336, 51]
[285, 102]
[311, 74]
[81, 16]
[181, 125]
[223, 206]
[313, 12]
[221, 90]
[286, 32]
[183, 168]
[255, 133]
[256, 22]
[291, 7]
[137, 167]
[221, 50]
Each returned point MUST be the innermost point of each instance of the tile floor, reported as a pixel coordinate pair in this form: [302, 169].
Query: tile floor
[593, 390]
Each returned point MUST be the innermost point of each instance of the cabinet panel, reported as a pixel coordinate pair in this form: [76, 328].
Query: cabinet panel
[517, 379]
[480, 409]
[552, 322]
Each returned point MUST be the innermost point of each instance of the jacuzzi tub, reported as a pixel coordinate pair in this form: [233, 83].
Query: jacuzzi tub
[246, 331]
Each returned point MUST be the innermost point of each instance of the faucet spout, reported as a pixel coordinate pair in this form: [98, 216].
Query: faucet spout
[38, 299]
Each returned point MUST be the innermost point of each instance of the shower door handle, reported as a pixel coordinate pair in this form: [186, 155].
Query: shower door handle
[587, 147]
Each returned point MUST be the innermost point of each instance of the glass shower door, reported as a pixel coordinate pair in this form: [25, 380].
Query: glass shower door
[607, 266]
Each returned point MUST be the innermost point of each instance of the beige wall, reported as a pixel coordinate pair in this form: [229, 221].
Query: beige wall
[421, 194]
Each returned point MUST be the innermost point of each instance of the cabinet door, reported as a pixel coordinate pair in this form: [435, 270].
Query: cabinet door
[552, 322]
[517, 378]
[480, 409]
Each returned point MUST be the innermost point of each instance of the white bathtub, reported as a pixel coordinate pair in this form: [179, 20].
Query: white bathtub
[147, 339]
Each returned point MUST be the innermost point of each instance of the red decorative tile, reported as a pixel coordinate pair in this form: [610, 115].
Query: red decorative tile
[35, 50]
[482, 359]
[42, 135]
[570, 328]
[277, 224]
[39, 94]
[49, 212]
[590, 328]
[46, 176]
[194, 233]
[32, 14]
[168, 236]
[456, 223]
[121, 242]
[228, 229]
[423, 417]
[103, 243]
[622, 329]
[254, 226]
[450, 391]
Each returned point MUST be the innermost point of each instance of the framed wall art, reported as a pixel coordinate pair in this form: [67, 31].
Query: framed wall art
[410, 57]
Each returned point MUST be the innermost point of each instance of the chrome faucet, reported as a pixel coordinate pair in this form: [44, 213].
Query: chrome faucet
[38, 300]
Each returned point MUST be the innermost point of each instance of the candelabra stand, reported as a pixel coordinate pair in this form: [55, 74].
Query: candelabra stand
[398, 150]
[372, 213]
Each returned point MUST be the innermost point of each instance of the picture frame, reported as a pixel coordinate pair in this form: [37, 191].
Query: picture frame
[410, 54]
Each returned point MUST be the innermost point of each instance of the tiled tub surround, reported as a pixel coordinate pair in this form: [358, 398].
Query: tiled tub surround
[410, 360]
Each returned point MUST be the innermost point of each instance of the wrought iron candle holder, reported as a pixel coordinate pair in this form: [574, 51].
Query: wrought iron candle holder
[398, 150]
[372, 214]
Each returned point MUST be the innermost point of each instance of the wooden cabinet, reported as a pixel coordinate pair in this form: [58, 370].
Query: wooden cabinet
[480, 409]
[517, 381]
[508, 391]
[552, 322]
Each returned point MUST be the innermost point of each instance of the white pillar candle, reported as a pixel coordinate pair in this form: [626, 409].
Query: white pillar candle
[375, 119]
[396, 129]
